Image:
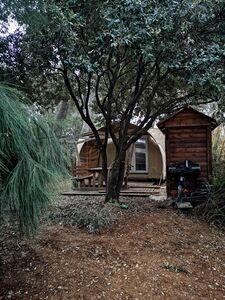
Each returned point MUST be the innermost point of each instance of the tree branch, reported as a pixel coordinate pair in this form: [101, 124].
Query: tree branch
[86, 118]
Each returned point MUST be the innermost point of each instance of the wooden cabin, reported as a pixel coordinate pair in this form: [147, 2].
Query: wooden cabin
[188, 137]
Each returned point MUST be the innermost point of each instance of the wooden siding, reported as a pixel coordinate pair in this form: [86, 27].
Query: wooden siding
[188, 145]
[188, 137]
[188, 119]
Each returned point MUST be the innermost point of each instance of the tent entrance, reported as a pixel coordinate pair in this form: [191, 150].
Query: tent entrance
[89, 154]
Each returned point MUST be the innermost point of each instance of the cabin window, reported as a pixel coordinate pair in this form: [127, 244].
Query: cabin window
[140, 162]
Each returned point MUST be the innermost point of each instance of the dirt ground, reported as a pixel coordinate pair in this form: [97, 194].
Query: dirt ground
[149, 253]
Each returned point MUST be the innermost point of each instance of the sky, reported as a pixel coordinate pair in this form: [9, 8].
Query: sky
[12, 26]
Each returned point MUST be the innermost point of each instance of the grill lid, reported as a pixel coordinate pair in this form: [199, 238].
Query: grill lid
[186, 167]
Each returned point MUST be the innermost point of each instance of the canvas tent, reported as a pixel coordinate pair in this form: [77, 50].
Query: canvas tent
[146, 157]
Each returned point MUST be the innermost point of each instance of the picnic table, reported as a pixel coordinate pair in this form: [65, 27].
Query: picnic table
[97, 175]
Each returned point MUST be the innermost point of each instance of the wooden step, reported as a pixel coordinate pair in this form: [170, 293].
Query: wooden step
[93, 193]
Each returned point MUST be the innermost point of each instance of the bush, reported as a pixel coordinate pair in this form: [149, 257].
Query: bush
[214, 208]
[31, 161]
[92, 218]
[218, 158]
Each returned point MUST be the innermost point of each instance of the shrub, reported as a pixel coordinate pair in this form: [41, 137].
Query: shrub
[31, 161]
[92, 218]
[218, 158]
[214, 208]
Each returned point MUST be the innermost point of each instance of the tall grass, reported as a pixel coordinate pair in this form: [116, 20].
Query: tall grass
[214, 208]
[31, 161]
[218, 160]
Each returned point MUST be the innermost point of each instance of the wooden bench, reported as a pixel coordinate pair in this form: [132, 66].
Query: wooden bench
[80, 174]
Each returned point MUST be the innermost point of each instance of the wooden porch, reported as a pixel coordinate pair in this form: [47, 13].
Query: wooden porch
[134, 189]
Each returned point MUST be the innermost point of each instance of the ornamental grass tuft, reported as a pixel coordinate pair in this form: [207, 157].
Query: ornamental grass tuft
[31, 161]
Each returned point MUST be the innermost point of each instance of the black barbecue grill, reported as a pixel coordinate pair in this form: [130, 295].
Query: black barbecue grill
[185, 168]
[190, 188]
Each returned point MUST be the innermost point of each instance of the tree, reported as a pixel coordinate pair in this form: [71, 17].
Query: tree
[31, 161]
[127, 58]
[16, 67]
[47, 93]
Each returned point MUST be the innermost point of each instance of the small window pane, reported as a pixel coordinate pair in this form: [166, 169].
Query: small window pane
[140, 162]
[140, 144]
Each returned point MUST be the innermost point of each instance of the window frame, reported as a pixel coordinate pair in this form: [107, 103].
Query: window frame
[145, 151]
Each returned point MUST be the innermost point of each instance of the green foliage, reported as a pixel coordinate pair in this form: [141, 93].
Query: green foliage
[31, 161]
[218, 152]
[70, 126]
[17, 67]
[129, 61]
[214, 208]
[184, 38]
[67, 125]
[92, 218]
[175, 268]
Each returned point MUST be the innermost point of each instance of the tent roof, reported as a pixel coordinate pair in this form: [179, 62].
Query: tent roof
[86, 130]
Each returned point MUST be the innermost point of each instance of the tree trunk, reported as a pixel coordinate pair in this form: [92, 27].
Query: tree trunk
[103, 153]
[115, 180]
[61, 115]
[63, 110]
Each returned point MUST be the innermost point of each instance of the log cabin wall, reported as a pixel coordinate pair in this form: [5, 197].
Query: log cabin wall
[188, 137]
